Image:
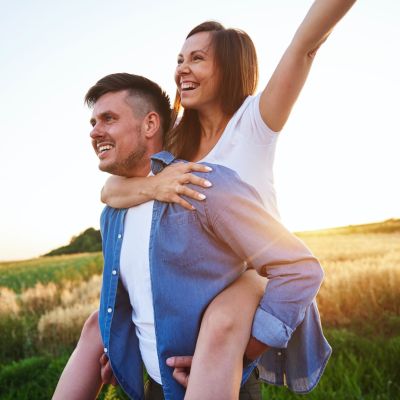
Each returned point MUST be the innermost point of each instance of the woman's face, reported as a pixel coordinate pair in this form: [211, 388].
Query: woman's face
[196, 74]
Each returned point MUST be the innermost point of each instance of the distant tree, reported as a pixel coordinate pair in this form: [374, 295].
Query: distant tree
[87, 242]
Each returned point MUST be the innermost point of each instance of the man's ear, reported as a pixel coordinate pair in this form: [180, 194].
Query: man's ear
[151, 124]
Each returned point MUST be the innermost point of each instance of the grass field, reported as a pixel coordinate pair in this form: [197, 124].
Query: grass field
[43, 304]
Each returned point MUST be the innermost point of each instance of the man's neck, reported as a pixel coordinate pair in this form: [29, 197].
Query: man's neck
[140, 171]
[143, 168]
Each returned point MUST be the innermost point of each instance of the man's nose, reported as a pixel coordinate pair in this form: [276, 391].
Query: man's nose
[96, 132]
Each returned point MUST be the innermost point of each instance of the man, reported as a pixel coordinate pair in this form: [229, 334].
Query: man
[164, 264]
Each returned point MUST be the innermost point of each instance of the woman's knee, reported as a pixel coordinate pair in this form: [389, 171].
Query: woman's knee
[218, 326]
[229, 316]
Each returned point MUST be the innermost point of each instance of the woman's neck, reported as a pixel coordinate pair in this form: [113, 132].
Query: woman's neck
[213, 125]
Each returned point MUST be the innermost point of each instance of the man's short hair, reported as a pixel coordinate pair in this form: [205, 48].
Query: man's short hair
[136, 86]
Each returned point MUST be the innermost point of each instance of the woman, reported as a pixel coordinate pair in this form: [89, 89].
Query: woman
[224, 124]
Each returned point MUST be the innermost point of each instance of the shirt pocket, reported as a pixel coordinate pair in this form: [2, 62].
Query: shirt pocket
[182, 239]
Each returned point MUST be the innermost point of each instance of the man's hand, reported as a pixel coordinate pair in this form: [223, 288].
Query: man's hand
[107, 375]
[254, 349]
[181, 366]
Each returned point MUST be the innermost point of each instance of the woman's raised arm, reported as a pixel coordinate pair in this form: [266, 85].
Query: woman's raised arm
[291, 73]
[168, 186]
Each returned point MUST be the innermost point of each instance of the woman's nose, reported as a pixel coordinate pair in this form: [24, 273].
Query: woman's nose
[182, 68]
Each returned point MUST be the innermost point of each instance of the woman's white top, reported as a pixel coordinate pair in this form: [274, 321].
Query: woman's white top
[247, 146]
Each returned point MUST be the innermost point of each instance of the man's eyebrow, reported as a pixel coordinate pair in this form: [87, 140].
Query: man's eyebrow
[101, 116]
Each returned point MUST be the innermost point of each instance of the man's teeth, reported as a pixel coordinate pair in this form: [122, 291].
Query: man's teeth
[188, 85]
[103, 148]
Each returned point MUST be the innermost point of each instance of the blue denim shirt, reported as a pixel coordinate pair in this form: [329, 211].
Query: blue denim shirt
[194, 255]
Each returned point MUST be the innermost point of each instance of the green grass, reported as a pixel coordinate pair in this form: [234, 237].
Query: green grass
[18, 332]
[30, 379]
[20, 275]
[360, 369]
[17, 338]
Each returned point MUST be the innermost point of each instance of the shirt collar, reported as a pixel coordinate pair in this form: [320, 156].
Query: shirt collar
[161, 160]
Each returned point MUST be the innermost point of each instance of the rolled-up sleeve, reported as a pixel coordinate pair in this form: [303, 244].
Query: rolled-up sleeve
[239, 219]
[291, 289]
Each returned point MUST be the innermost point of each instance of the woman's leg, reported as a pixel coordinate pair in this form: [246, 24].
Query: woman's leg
[225, 330]
[81, 378]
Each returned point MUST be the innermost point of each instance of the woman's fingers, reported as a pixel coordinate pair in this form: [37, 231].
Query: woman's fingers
[183, 203]
[185, 167]
[195, 180]
[172, 184]
[183, 190]
[190, 166]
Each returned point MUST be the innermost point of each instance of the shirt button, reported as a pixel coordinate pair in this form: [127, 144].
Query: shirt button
[114, 272]
[109, 309]
[119, 236]
[105, 350]
[279, 353]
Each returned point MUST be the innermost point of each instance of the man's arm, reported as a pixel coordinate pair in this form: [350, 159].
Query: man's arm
[294, 273]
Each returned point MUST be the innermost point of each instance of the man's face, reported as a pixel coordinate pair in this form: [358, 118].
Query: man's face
[117, 135]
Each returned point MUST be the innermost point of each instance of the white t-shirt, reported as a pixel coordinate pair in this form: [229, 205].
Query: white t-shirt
[248, 147]
[135, 276]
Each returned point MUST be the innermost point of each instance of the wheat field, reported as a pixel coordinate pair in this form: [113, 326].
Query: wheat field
[359, 302]
[362, 276]
[362, 281]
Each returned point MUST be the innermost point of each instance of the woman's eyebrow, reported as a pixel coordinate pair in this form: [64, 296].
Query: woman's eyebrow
[196, 51]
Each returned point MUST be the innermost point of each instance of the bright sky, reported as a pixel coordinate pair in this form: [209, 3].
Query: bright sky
[338, 157]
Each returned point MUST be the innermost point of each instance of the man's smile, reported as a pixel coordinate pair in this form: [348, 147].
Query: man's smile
[103, 148]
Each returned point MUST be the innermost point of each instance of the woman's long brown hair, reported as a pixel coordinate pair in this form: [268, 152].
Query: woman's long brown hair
[236, 61]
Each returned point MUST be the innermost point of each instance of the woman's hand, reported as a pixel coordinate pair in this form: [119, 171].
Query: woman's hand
[170, 184]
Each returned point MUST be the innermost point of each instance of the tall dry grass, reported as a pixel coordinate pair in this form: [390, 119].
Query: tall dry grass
[46, 316]
[39, 298]
[362, 284]
[63, 324]
[89, 291]
[362, 276]
[8, 302]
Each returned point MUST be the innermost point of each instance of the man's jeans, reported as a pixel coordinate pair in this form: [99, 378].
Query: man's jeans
[251, 390]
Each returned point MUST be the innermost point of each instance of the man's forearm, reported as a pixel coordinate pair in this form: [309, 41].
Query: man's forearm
[294, 273]
[291, 290]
